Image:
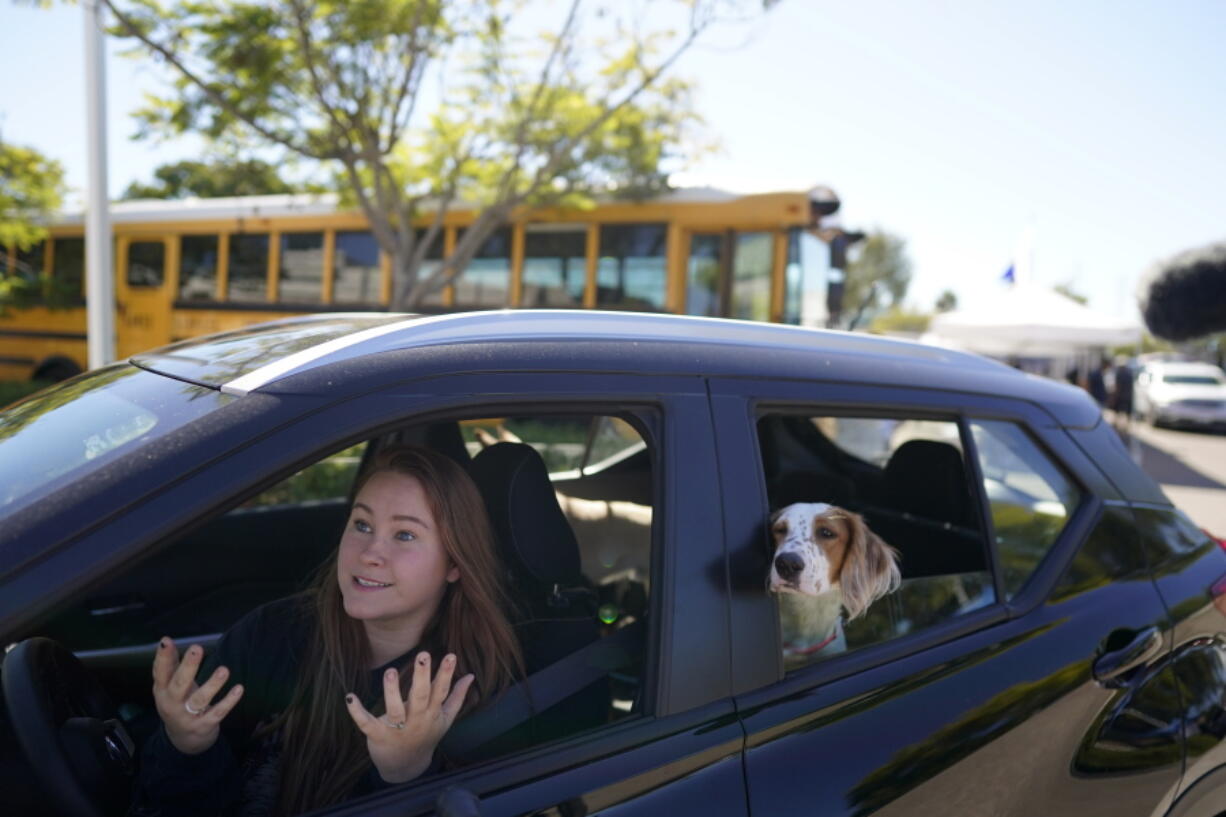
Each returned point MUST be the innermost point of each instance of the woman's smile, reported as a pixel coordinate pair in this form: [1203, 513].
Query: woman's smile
[370, 584]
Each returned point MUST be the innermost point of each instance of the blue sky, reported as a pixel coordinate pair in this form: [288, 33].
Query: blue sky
[1093, 127]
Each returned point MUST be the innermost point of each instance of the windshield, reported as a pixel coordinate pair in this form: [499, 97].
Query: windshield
[71, 429]
[1193, 379]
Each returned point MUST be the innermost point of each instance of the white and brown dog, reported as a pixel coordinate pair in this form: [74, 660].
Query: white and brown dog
[825, 559]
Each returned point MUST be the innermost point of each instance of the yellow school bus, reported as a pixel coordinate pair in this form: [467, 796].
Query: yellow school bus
[186, 268]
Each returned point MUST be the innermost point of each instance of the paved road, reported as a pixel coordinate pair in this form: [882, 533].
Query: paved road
[1191, 466]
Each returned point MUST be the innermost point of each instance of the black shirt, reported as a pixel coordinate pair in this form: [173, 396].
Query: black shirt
[264, 652]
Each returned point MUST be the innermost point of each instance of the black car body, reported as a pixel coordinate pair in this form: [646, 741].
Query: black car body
[1057, 647]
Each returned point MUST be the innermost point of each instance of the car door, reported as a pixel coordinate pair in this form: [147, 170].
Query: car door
[682, 750]
[1043, 690]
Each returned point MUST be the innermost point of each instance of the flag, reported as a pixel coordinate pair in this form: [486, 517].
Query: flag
[1009, 275]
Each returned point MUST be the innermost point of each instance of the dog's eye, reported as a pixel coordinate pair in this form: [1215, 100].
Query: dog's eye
[825, 533]
[780, 528]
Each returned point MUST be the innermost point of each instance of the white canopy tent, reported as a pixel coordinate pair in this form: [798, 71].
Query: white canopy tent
[1029, 321]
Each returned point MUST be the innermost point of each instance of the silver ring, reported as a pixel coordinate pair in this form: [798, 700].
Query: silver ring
[397, 725]
[187, 705]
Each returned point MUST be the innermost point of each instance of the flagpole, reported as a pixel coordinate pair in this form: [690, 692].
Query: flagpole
[99, 282]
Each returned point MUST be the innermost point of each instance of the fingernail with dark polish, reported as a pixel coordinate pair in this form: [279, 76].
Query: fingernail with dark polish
[348, 699]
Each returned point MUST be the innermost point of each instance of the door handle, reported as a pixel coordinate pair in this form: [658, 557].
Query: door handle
[1140, 649]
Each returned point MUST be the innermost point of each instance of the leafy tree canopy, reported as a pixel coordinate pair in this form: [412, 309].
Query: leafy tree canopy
[31, 191]
[947, 301]
[424, 105]
[212, 179]
[877, 277]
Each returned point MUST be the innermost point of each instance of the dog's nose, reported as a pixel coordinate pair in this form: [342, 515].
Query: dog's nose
[788, 565]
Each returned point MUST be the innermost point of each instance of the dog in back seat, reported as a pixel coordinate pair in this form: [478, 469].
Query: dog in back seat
[825, 559]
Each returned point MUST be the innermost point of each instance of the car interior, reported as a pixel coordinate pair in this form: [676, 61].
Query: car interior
[909, 482]
[570, 499]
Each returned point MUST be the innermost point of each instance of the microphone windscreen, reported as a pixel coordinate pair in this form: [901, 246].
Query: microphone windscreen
[1186, 294]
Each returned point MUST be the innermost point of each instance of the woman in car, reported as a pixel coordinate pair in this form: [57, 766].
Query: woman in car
[350, 686]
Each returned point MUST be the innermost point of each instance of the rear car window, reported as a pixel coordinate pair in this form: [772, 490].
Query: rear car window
[1030, 497]
[907, 479]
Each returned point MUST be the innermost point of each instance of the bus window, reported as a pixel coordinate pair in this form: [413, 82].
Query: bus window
[434, 256]
[302, 268]
[146, 260]
[30, 262]
[357, 276]
[805, 279]
[631, 270]
[198, 268]
[702, 280]
[751, 276]
[486, 281]
[68, 264]
[248, 278]
[555, 266]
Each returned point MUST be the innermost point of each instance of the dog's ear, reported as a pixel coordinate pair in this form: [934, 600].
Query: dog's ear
[870, 569]
[775, 514]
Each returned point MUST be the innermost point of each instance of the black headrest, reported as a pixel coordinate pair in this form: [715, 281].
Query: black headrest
[811, 486]
[536, 540]
[927, 478]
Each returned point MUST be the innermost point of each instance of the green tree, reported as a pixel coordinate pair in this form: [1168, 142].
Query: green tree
[947, 302]
[425, 105]
[31, 190]
[211, 179]
[877, 277]
[1066, 289]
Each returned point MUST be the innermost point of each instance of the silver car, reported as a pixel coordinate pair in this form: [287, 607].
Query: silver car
[1181, 393]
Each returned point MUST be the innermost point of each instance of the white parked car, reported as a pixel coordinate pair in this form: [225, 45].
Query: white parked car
[1182, 393]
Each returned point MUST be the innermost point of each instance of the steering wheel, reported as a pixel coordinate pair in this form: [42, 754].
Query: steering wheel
[81, 755]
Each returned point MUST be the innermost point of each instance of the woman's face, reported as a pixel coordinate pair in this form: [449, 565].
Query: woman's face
[391, 566]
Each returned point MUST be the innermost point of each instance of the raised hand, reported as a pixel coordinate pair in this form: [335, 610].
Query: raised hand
[402, 742]
[192, 722]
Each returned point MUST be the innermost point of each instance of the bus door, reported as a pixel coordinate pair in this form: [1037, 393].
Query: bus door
[142, 294]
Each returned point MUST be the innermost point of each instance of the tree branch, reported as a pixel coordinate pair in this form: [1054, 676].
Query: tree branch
[134, 31]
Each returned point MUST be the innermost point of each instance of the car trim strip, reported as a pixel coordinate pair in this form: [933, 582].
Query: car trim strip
[266, 374]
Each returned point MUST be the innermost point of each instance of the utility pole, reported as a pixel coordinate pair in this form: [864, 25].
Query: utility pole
[99, 282]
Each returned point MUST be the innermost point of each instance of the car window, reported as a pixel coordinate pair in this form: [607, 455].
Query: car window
[272, 544]
[907, 479]
[1193, 379]
[600, 470]
[328, 479]
[1030, 498]
[78, 426]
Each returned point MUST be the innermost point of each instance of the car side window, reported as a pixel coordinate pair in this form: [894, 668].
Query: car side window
[906, 479]
[328, 479]
[599, 469]
[1030, 498]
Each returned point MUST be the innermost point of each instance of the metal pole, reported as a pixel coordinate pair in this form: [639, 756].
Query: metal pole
[99, 282]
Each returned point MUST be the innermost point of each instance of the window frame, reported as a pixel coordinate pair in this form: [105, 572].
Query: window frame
[974, 483]
[687, 703]
[746, 400]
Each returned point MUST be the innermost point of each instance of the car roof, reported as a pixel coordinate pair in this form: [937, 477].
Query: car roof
[263, 356]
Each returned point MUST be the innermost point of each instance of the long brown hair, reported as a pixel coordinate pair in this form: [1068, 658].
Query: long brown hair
[323, 754]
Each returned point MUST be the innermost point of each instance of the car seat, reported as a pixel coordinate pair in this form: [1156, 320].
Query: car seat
[928, 514]
[555, 613]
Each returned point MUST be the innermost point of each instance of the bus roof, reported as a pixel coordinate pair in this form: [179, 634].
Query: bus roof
[322, 204]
